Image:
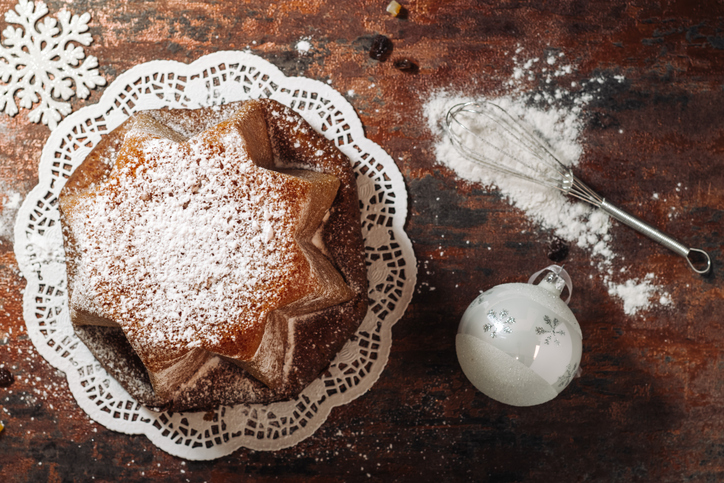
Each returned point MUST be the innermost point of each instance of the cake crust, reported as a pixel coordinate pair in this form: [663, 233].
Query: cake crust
[330, 303]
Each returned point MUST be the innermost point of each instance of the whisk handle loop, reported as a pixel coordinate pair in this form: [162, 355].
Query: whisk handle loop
[698, 259]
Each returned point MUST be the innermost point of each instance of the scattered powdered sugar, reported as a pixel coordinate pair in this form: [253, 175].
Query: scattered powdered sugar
[555, 114]
[304, 46]
[638, 294]
[9, 205]
[44, 249]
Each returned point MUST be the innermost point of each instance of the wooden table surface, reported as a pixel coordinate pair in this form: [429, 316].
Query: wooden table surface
[649, 405]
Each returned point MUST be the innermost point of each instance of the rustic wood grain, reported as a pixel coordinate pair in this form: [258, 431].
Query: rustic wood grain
[649, 405]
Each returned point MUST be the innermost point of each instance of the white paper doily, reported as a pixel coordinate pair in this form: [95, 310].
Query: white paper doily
[216, 79]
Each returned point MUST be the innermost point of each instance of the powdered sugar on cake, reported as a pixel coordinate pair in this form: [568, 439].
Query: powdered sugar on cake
[208, 248]
[177, 227]
[198, 242]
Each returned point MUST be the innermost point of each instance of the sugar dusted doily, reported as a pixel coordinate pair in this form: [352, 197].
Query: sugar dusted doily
[216, 79]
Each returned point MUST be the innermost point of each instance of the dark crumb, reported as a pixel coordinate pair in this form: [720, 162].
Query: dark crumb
[404, 14]
[6, 379]
[381, 48]
[405, 65]
[557, 250]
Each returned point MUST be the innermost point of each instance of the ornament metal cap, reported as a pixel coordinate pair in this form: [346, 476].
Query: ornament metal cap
[555, 281]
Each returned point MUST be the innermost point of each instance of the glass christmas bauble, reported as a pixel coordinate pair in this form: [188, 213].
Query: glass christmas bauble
[519, 343]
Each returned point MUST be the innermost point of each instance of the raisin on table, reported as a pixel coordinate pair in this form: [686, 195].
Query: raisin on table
[381, 48]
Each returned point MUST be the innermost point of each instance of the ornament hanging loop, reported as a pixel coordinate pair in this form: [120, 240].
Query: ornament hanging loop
[558, 277]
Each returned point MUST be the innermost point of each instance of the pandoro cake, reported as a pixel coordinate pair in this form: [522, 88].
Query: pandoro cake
[214, 256]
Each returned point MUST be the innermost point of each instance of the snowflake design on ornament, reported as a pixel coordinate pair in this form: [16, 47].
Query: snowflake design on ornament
[567, 376]
[42, 62]
[499, 322]
[552, 332]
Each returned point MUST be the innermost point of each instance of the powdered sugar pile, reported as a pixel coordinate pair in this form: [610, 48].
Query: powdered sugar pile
[555, 113]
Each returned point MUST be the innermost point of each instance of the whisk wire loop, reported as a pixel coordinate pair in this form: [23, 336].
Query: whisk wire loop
[533, 143]
[460, 145]
[502, 132]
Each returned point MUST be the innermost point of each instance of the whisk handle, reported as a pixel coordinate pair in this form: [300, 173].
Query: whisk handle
[698, 259]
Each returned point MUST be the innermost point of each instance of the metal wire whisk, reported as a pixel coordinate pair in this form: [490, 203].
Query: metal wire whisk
[541, 165]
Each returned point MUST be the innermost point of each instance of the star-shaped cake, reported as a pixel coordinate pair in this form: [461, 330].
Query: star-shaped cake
[201, 249]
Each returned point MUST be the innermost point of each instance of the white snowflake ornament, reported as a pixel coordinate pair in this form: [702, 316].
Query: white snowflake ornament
[519, 343]
[43, 62]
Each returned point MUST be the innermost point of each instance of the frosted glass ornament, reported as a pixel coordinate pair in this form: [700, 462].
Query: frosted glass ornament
[519, 343]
